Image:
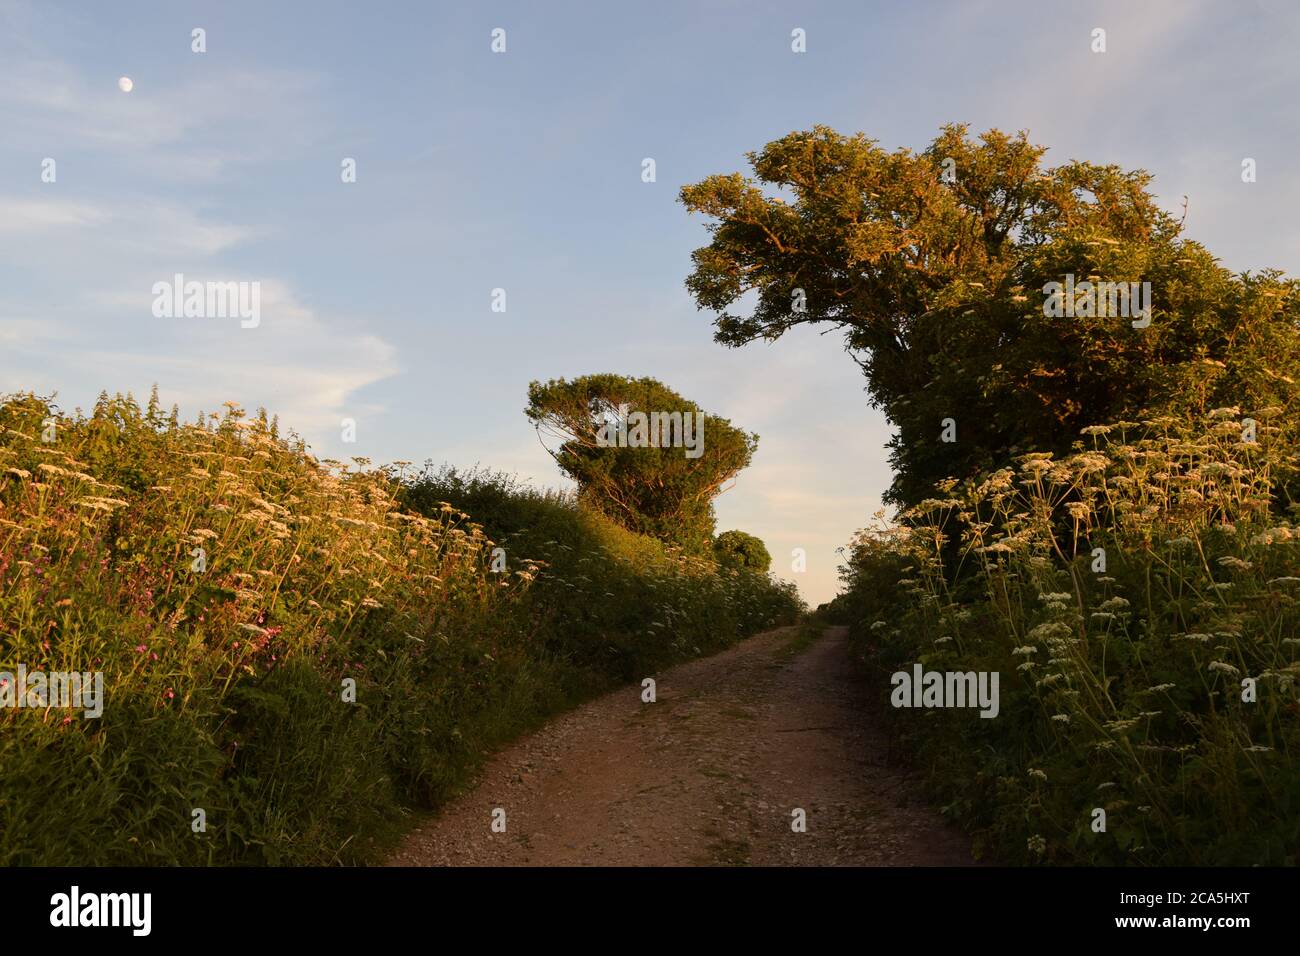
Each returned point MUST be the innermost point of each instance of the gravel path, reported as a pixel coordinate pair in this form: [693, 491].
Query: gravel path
[709, 774]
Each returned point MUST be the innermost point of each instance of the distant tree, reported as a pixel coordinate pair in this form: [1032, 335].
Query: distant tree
[736, 549]
[641, 453]
[935, 265]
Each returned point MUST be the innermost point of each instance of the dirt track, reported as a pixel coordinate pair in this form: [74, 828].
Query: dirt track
[709, 774]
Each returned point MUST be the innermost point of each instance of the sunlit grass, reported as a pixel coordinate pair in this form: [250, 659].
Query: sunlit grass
[227, 584]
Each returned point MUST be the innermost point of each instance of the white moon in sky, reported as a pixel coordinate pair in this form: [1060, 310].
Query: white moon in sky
[125, 84]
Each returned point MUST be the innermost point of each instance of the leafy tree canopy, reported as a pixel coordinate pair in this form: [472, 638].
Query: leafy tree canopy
[934, 265]
[641, 453]
[736, 549]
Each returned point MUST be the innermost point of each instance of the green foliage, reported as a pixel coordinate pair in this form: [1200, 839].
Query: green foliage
[938, 287]
[1123, 594]
[665, 491]
[224, 686]
[736, 549]
[605, 597]
[1120, 688]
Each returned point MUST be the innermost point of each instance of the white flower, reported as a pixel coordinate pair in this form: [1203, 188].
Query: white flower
[1273, 536]
[1050, 631]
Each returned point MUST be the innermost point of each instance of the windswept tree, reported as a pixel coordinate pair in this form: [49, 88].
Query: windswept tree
[938, 267]
[640, 453]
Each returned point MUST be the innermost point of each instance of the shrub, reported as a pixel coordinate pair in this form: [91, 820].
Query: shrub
[227, 585]
[604, 595]
[736, 549]
[1123, 593]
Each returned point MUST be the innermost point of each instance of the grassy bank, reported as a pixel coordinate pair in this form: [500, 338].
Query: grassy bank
[300, 650]
[1140, 600]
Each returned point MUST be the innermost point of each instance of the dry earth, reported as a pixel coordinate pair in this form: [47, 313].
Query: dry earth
[709, 774]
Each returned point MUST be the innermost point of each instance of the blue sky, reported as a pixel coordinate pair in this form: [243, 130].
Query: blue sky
[522, 171]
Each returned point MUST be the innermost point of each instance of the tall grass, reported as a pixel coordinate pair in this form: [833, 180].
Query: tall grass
[1128, 595]
[230, 587]
[607, 598]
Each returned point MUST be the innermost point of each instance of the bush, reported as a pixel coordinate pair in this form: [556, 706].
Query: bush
[606, 597]
[736, 549]
[229, 587]
[1124, 594]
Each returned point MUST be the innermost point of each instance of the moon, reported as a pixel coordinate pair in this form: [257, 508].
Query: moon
[125, 85]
